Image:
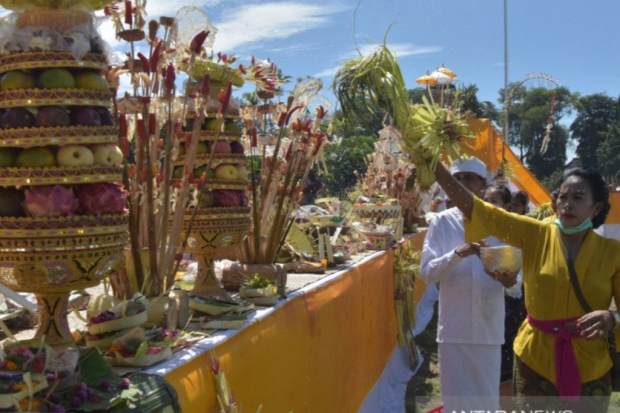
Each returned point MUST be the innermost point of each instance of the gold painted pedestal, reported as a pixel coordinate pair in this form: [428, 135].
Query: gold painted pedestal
[53, 262]
[216, 230]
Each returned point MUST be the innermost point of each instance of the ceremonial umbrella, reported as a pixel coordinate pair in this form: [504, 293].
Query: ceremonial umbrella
[441, 78]
[447, 72]
[426, 80]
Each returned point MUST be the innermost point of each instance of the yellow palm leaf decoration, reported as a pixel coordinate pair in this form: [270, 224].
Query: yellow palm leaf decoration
[428, 131]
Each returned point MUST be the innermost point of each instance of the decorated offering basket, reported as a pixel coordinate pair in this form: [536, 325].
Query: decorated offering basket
[386, 213]
[376, 213]
[380, 240]
[223, 217]
[502, 258]
[59, 165]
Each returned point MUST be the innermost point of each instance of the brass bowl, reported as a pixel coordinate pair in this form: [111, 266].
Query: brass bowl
[502, 258]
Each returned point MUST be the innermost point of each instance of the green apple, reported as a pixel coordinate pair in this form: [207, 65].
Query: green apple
[55, 79]
[242, 172]
[199, 170]
[75, 155]
[91, 81]
[206, 199]
[38, 157]
[211, 124]
[203, 147]
[178, 172]
[231, 126]
[17, 79]
[107, 154]
[7, 157]
[226, 171]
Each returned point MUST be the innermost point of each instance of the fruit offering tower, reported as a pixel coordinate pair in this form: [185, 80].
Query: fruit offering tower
[63, 222]
[222, 218]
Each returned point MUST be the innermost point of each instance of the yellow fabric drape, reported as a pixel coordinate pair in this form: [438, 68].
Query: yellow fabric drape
[320, 352]
[488, 148]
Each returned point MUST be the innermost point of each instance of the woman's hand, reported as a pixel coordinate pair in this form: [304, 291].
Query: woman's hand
[435, 203]
[595, 325]
[506, 278]
[469, 249]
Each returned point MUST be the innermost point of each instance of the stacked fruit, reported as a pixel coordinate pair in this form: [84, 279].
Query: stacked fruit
[57, 143]
[221, 218]
[63, 221]
[226, 175]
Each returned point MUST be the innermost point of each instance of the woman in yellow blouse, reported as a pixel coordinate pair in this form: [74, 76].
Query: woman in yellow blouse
[560, 350]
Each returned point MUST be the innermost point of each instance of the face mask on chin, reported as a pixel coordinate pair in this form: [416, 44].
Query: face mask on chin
[574, 230]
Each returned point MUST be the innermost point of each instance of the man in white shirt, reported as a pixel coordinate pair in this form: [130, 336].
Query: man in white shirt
[470, 328]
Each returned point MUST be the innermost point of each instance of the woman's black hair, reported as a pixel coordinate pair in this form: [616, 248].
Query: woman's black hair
[503, 191]
[522, 197]
[599, 188]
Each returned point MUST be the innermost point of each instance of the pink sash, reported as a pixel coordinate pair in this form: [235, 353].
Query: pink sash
[567, 376]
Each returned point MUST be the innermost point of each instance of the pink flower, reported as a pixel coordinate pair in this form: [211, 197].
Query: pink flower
[22, 351]
[154, 350]
[101, 198]
[50, 201]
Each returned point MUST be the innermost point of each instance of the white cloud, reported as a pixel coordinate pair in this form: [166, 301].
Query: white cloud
[295, 48]
[327, 72]
[253, 24]
[399, 49]
[246, 25]
[156, 9]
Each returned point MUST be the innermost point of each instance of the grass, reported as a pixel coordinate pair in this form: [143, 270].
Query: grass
[425, 383]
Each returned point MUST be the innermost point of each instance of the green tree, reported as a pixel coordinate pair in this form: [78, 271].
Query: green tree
[415, 95]
[595, 113]
[529, 111]
[468, 97]
[346, 160]
[608, 152]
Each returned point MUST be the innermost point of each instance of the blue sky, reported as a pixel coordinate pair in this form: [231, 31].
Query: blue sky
[575, 41]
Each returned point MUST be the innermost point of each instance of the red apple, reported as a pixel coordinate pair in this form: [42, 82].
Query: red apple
[85, 116]
[222, 147]
[227, 198]
[226, 171]
[105, 115]
[236, 147]
[51, 116]
[189, 125]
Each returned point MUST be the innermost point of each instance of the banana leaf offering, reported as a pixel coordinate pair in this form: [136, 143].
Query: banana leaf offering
[429, 131]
